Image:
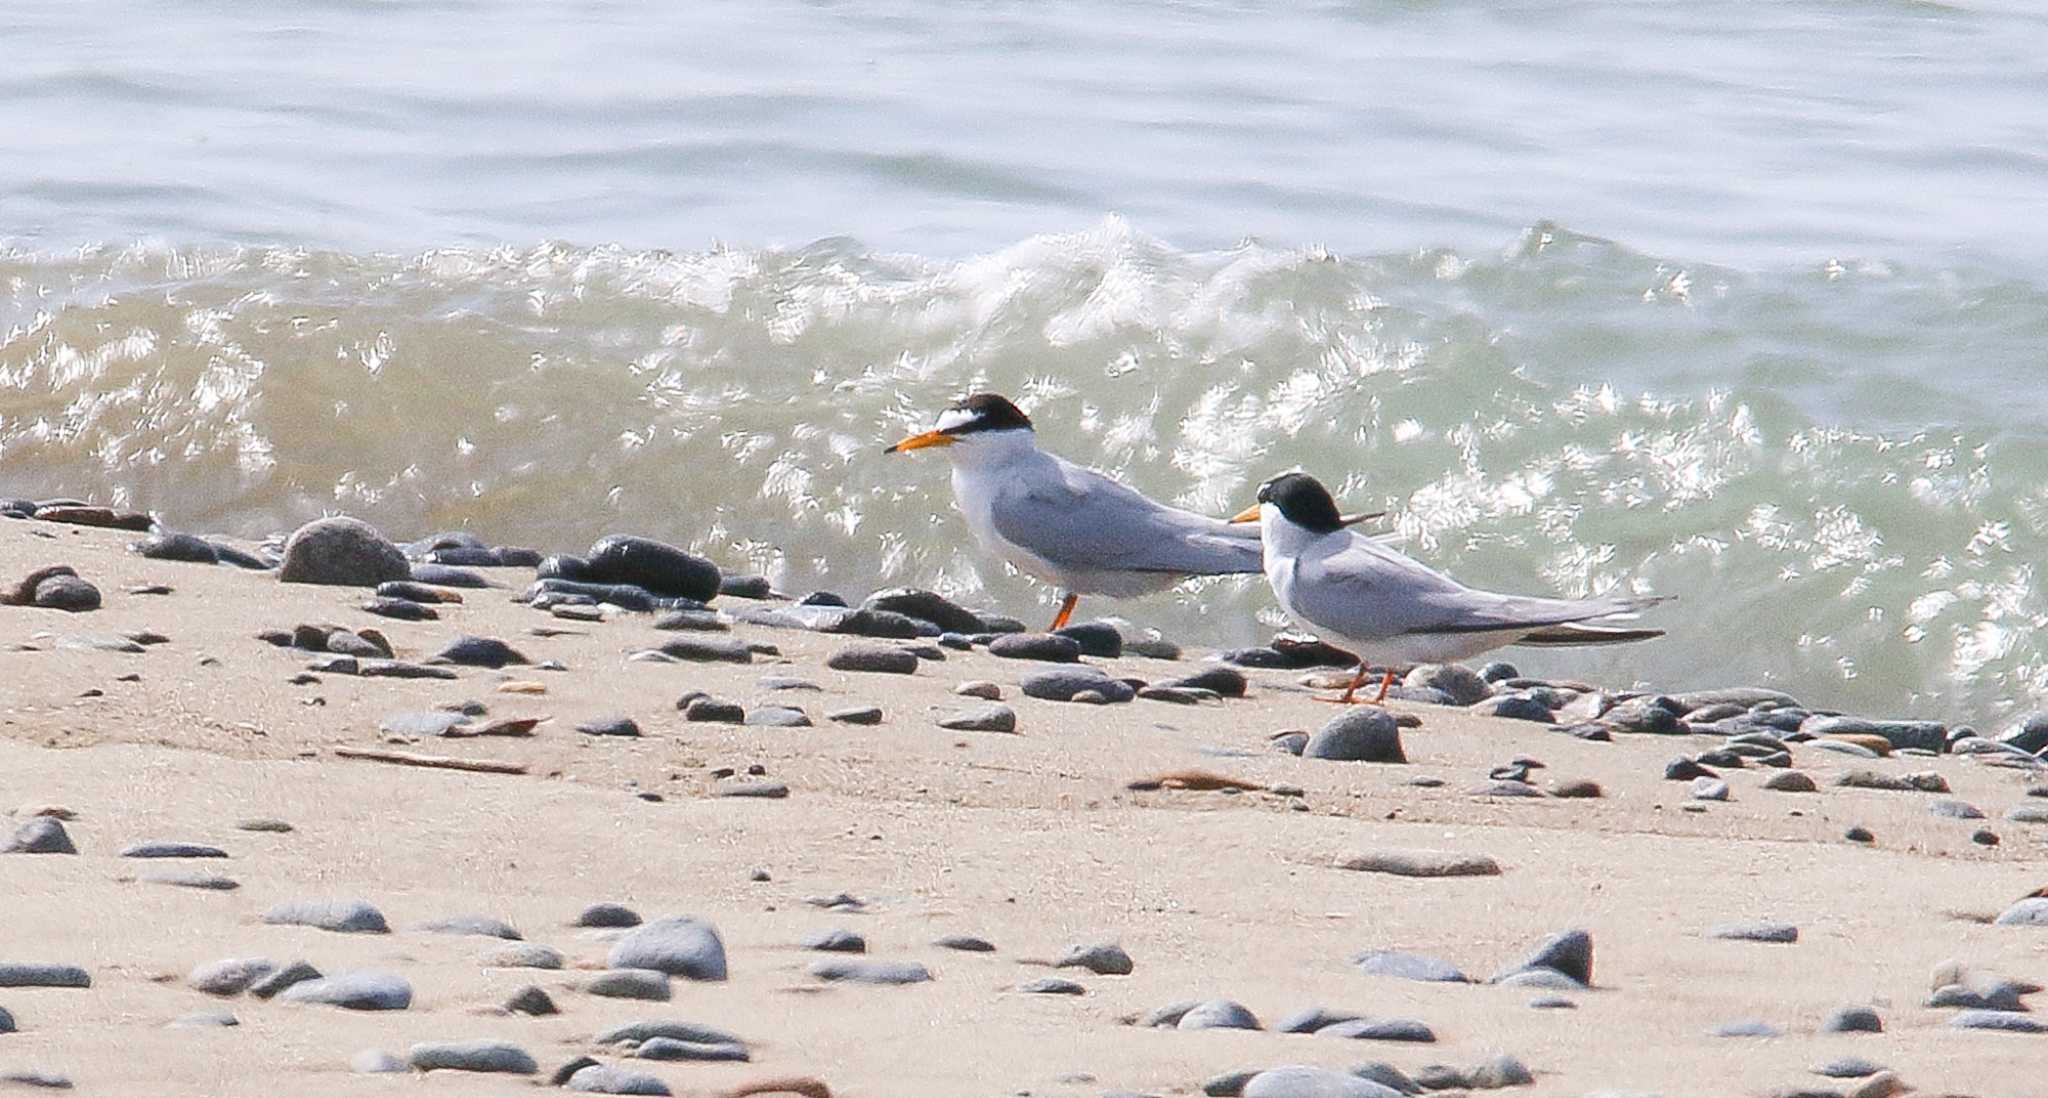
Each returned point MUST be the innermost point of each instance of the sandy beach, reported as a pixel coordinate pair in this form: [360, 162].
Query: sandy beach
[1034, 841]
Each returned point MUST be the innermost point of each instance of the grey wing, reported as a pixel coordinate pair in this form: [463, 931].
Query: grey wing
[1088, 521]
[1377, 592]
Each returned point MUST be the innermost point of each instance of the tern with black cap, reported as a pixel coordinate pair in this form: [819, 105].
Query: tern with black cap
[1393, 611]
[1068, 526]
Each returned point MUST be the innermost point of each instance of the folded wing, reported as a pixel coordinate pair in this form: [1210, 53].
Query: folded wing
[1085, 520]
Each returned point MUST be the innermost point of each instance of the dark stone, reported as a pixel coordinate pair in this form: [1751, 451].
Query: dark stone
[609, 726]
[712, 650]
[848, 970]
[1036, 646]
[836, 941]
[1519, 707]
[401, 610]
[662, 569]
[821, 598]
[1064, 684]
[704, 710]
[1464, 685]
[479, 652]
[1777, 933]
[1385, 1029]
[67, 593]
[1103, 959]
[644, 984]
[1682, 769]
[228, 554]
[965, 943]
[691, 621]
[746, 587]
[13, 974]
[1051, 985]
[173, 850]
[1569, 953]
[498, 1057]
[1643, 716]
[341, 916]
[1791, 781]
[413, 592]
[444, 575]
[40, 835]
[341, 551]
[1859, 835]
[187, 548]
[361, 990]
[1855, 1019]
[563, 567]
[343, 642]
[1096, 638]
[993, 717]
[778, 716]
[532, 1002]
[1228, 682]
[467, 556]
[924, 606]
[678, 945]
[1313, 1019]
[1311, 652]
[1366, 734]
[1498, 672]
[1218, 1014]
[1259, 658]
[591, 1077]
[392, 669]
[873, 658]
[298, 972]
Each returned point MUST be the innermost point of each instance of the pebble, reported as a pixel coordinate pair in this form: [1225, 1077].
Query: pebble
[229, 977]
[1576, 789]
[1745, 1028]
[360, 990]
[1791, 781]
[485, 1056]
[993, 717]
[1859, 834]
[2032, 911]
[1046, 647]
[1051, 985]
[836, 941]
[1848, 1067]
[1218, 1014]
[2006, 1021]
[482, 926]
[1463, 685]
[787, 682]
[607, 915]
[1519, 707]
[763, 790]
[17, 974]
[691, 621]
[1683, 769]
[668, 1048]
[1096, 638]
[1168, 1016]
[399, 669]
[1709, 789]
[848, 970]
[708, 710]
[874, 658]
[67, 593]
[1066, 684]
[341, 551]
[204, 1019]
[746, 587]
[400, 609]
[855, 714]
[469, 651]
[924, 606]
[606, 1079]
[191, 878]
[610, 726]
[1103, 959]
[1500, 1071]
[707, 650]
[1569, 953]
[778, 716]
[1854, 1019]
[977, 688]
[1422, 863]
[1844, 747]
[1385, 1029]
[1553, 1002]
[1227, 682]
[48, 1080]
[532, 1002]
[965, 943]
[1778, 933]
[523, 955]
[629, 983]
[1313, 1019]
[679, 945]
[1311, 1082]
[166, 849]
[1409, 966]
[644, 562]
[41, 835]
[1359, 735]
[1956, 810]
[1177, 695]
[688, 1032]
[298, 972]
[341, 916]
[416, 592]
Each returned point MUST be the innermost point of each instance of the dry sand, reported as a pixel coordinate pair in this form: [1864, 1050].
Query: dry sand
[1029, 840]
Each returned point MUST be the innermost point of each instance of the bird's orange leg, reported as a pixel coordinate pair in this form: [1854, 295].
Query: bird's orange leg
[1350, 692]
[1059, 620]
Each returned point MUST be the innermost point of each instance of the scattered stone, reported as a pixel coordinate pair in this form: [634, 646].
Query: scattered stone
[483, 1056]
[360, 990]
[977, 688]
[1791, 781]
[341, 551]
[184, 548]
[1103, 959]
[471, 651]
[1051, 985]
[1218, 1014]
[164, 849]
[965, 943]
[688, 1032]
[229, 977]
[597, 1078]
[874, 658]
[1956, 810]
[1576, 789]
[1067, 684]
[855, 714]
[522, 955]
[643, 562]
[1409, 966]
[1709, 789]
[1385, 1029]
[1096, 638]
[341, 916]
[482, 926]
[707, 650]
[1848, 1067]
[778, 716]
[848, 970]
[291, 975]
[629, 983]
[678, 945]
[191, 878]
[1498, 1072]
[1358, 735]
[1682, 769]
[68, 593]
[836, 941]
[1226, 682]
[1310, 1082]
[1460, 683]
[2005, 1021]
[375, 1061]
[1569, 953]
[1778, 933]
[607, 915]
[668, 1048]
[1859, 834]
[1855, 1019]
[16, 974]
[48, 1080]
[532, 1002]
[610, 726]
[1046, 647]
[763, 790]
[204, 1019]
[924, 606]
[40, 835]
[2032, 911]
[1422, 863]
[993, 717]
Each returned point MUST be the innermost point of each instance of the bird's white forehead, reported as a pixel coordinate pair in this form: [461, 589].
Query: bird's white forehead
[954, 418]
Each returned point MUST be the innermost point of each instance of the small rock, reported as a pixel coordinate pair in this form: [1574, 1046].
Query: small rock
[604, 1079]
[67, 593]
[1103, 959]
[1067, 684]
[1051, 985]
[874, 658]
[668, 1048]
[162, 849]
[1569, 953]
[1313, 1019]
[1384, 1029]
[1462, 684]
[2032, 911]
[1745, 1028]
[229, 977]
[1227, 682]
[707, 650]
[1422, 863]
[644, 562]
[678, 945]
[1855, 1019]
[341, 916]
[482, 926]
[1709, 789]
[965, 943]
[629, 983]
[291, 975]
[360, 990]
[1218, 1014]
[836, 941]
[922, 605]
[1045, 647]
[778, 716]
[855, 714]
[341, 551]
[14, 974]
[48, 1080]
[610, 726]
[1500, 1071]
[2006, 1021]
[977, 688]
[1778, 933]
[532, 1002]
[40, 835]
[1577, 788]
[1096, 638]
[1848, 1067]
[993, 717]
[607, 915]
[848, 970]
[483, 1056]
[1956, 810]
[191, 878]
[1790, 781]
[764, 790]
[1409, 966]
[1310, 1082]
[1359, 735]
[522, 955]
[488, 652]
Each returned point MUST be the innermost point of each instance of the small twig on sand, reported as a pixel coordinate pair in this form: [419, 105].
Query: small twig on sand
[438, 762]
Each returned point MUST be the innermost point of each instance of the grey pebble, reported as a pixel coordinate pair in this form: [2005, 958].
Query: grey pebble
[532, 1002]
[778, 716]
[375, 1061]
[1218, 1014]
[978, 688]
[1313, 1019]
[1709, 789]
[1360, 735]
[522, 955]
[679, 945]
[606, 1079]
[629, 983]
[484, 1056]
[1384, 1029]
[1066, 684]
[2005, 1021]
[787, 682]
[668, 1048]
[1409, 966]
[229, 977]
[67, 593]
[1848, 1067]
[1745, 1028]
[1422, 863]
[2032, 911]
[1553, 1002]
[2028, 813]
[992, 717]
[400, 609]
[610, 726]
[873, 658]
[1461, 684]
[1103, 959]
[1780, 933]
[1312, 1082]
[1853, 1019]
[480, 925]
[606, 914]
[758, 790]
[688, 1032]
[47, 1080]
[1569, 952]
[691, 621]
[291, 975]
[965, 943]
[41, 835]
[1051, 985]
[1791, 781]
[836, 940]
[18, 974]
[855, 714]
[1227, 682]
[1956, 810]
[1046, 647]
[471, 651]
[1499, 1071]
[341, 916]
[363, 989]
[849, 970]
[707, 650]
[421, 725]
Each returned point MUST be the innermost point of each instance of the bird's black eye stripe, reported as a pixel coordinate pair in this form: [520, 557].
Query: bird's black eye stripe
[986, 412]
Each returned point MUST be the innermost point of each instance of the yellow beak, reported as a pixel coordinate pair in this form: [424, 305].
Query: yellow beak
[919, 442]
[1249, 514]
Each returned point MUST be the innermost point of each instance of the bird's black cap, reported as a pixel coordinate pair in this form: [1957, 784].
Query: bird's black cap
[987, 412]
[1305, 502]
